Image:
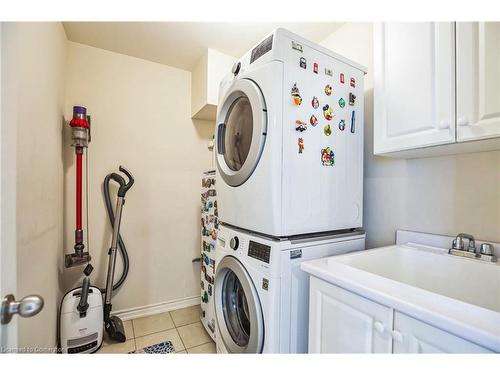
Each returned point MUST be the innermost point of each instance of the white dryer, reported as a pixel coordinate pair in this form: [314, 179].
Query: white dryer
[261, 295]
[289, 139]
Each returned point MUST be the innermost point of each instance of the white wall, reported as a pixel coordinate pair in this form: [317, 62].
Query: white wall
[33, 63]
[447, 195]
[141, 118]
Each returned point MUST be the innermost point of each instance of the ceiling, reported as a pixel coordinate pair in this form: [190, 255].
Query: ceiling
[181, 44]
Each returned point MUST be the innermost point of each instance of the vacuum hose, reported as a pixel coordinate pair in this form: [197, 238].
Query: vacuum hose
[121, 244]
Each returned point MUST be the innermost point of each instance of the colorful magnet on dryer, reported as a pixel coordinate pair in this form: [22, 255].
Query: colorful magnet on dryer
[353, 82]
[342, 78]
[297, 99]
[327, 130]
[342, 125]
[328, 90]
[353, 122]
[327, 112]
[315, 102]
[300, 143]
[352, 99]
[327, 157]
[303, 63]
[328, 72]
[300, 126]
[313, 120]
[315, 68]
[341, 103]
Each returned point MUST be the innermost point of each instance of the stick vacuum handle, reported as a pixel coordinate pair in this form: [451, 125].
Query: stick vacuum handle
[124, 188]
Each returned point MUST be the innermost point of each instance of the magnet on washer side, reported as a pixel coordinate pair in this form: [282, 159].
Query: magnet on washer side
[342, 78]
[341, 103]
[352, 99]
[328, 90]
[315, 68]
[327, 157]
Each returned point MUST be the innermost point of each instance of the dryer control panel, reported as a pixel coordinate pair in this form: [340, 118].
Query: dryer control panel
[259, 251]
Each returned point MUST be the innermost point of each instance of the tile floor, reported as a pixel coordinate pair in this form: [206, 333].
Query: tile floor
[182, 327]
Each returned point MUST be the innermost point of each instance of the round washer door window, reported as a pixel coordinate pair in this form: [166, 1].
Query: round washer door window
[237, 308]
[241, 131]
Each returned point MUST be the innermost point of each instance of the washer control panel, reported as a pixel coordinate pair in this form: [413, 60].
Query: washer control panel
[234, 243]
[259, 251]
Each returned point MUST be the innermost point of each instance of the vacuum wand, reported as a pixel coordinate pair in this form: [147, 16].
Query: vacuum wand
[113, 324]
[80, 133]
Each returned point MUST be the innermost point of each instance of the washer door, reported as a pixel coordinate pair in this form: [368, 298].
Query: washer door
[237, 308]
[241, 132]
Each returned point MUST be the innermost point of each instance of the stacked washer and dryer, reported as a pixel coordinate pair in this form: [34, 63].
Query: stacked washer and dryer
[289, 155]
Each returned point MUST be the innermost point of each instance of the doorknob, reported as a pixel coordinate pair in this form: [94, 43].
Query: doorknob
[27, 307]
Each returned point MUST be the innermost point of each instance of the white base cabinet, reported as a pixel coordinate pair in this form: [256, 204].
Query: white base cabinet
[344, 322]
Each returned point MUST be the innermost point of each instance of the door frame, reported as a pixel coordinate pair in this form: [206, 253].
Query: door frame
[8, 144]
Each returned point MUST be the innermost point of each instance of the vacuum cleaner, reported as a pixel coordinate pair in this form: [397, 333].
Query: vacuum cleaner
[84, 311]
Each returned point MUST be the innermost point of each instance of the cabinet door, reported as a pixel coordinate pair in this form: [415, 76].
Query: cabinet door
[478, 80]
[414, 85]
[343, 322]
[413, 336]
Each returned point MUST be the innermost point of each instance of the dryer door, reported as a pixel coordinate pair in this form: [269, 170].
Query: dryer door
[241, 131]
[237, 308]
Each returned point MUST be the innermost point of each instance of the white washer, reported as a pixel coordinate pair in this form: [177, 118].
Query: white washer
[262, 295]
[265, 184]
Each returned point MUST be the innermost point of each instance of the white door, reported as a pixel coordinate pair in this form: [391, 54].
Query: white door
[478, 80]
[414, 85]
[241, 131]
[8, 332]
[418, 337]
[344, 322]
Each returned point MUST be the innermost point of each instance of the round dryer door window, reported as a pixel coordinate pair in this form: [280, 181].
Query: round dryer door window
[241, 131]
[237, 308]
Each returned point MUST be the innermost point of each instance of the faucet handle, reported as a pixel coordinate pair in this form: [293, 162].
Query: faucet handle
[486, 249]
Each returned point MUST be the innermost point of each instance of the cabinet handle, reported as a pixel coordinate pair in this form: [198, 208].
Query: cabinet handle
[379, 327]
[397, 336]
[444, 125]
[462, 121]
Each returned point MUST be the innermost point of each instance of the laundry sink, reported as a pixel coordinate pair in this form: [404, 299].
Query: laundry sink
[455, 294]
[467, 280]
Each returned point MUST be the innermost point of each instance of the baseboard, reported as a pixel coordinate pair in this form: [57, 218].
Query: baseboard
[157, 308]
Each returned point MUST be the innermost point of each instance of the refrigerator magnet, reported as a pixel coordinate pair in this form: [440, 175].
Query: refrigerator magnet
[297, 99]
[300, 126]
[300, 143]
[313, 120]
[342, 125]
[341, 103]
[328, 90]
[327, 112]
[327, 130]
[327, 157]
[315, 102]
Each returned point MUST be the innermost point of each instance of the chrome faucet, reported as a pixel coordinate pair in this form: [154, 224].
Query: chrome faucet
[458, 242]
[485, 251]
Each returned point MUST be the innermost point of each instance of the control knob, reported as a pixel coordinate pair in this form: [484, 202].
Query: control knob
[234, 243]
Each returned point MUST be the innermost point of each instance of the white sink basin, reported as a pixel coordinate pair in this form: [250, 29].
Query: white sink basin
[466, 280]
[456, 294]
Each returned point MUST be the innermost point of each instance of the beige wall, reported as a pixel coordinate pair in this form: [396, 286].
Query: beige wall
[33, 63]
[141, 119]
[445, 195]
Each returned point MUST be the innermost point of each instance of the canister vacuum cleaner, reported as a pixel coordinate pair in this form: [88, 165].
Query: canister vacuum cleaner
[84, 313]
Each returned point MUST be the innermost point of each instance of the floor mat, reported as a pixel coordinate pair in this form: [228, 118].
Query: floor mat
[162, 348]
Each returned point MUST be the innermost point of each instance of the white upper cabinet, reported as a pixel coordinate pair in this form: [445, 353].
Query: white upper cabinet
[414, 85]
[478, 80]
